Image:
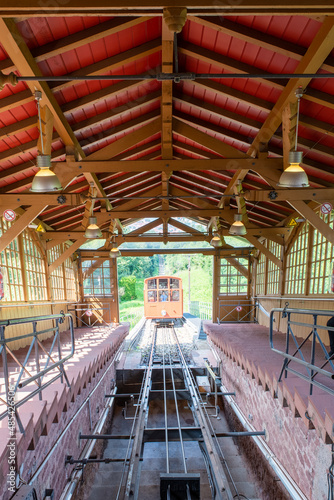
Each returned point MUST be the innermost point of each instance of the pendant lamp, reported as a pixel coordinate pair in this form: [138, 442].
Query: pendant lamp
[238, 228]
[295, 176]
[45, 181]
[93, 231]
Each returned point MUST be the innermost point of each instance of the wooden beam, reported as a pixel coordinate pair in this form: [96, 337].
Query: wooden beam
[143, 229]
[216, 145]
[254, 241]
[19, 199]
[197, 7]
[125, 214]
[139, 252]
[68, 252]
[20, 225]
[184, 227]
[314, 219]
[259, 165]
[317, 194]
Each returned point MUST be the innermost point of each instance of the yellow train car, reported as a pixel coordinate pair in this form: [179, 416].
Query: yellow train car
[163, 297]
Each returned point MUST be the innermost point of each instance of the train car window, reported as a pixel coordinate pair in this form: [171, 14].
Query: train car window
[152, 296]
[163, 296]
[152, 284]
[163, 283]
[174, 283]
[174, 296]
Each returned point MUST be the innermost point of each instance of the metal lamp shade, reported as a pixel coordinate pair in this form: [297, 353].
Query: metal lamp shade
[294, 176]
[216, 241]
[45, 181]
[93, 231]
[238, 228]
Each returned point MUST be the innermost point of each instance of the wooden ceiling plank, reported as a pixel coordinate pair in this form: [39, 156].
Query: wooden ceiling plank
[258, 38]
[192, 133]
[19, 53]
[108, 92]
[129, 107]
[320, 48]
[78, 39]
[112, 63]
[217, 111]
[127, 142]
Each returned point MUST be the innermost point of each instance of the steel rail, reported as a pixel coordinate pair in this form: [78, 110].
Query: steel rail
[223, 491]
[132, 432]
[165, 406]
[132, 483]
[176, 406]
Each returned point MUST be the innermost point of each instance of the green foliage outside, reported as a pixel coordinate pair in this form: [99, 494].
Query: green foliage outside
[127, 288]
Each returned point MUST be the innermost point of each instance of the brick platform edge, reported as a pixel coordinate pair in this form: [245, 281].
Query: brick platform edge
[46, 420]
[301, 450]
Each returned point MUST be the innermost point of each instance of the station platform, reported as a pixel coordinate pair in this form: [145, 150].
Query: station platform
[247, 345]
[95, 348]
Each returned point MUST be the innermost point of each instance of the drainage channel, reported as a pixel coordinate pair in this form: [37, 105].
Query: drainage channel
[168, 438]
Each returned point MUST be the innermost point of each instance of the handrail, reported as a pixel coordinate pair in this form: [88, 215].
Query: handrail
[312, 370]
[49, 362]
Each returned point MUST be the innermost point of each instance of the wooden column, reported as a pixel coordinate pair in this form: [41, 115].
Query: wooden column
[23, 267]
[215, 287]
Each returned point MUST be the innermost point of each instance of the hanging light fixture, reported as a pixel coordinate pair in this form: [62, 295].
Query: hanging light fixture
[238, 227]
[115, 251]
[295, 176]
[216, 241]
[45, 180]
[93, 231]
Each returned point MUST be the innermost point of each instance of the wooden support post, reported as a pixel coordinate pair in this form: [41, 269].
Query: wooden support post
[215, 287]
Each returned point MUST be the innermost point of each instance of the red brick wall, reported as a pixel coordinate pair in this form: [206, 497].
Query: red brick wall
[300, 451]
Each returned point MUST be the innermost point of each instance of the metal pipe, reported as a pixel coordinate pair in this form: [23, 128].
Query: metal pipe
[177, 77]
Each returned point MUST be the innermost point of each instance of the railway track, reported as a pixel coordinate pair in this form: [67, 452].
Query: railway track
[170, 434]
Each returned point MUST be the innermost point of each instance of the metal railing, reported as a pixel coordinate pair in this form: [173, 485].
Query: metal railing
[311, 370]
[240, 311]
[31, 370]
[90, 313]
[201, 310]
